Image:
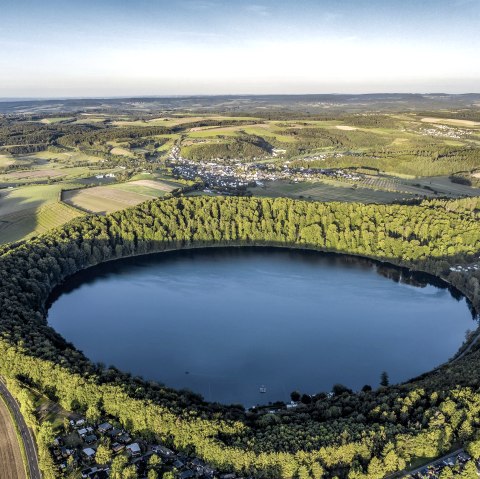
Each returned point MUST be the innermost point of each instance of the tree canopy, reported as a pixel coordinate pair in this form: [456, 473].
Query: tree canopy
[348, 434]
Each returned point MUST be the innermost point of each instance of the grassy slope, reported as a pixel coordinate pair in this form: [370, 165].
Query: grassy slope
[102, 199]
[31, 210]
[333, 191]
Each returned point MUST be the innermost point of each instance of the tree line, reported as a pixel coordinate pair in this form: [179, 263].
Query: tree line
[366, 434]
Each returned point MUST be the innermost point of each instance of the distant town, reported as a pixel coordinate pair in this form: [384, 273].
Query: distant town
[221, 174]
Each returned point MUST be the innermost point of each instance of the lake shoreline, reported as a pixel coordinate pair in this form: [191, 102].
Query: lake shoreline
[353, 263]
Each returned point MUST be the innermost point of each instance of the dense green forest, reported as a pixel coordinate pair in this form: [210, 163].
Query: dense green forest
[366, 434]
[309, 138]
[244, 147]
[27, 135]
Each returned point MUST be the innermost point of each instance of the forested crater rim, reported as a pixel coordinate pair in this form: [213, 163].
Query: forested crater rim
[436, 279]
[434, 237]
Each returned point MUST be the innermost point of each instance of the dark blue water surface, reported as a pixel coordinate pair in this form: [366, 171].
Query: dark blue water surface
[224, 322]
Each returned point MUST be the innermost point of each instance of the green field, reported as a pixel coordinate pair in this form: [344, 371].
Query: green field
[45, 166]
[31, 210]
[67, 156]
[105, 199]
[327, 192]
[414, 155]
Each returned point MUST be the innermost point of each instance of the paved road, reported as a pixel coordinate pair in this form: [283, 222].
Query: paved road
[25, 433]
[453, 455]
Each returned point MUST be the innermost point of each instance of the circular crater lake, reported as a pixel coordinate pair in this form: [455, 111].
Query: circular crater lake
[224, 322]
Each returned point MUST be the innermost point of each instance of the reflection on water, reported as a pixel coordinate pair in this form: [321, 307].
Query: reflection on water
[225, 322]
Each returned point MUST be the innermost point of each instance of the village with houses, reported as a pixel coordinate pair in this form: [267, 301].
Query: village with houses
[444, 131]
[237, 175]
[77, 449]
[437, 469]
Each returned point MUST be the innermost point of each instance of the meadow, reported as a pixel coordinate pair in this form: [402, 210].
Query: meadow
[98, 159]
[328, 191]
[31, 210]
[106, 199]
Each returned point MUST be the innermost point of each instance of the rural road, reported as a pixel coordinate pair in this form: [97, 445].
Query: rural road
[452, 455]
[27, 437]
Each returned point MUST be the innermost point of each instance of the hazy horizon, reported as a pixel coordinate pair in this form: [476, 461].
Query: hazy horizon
[108, 49]
[213, 95]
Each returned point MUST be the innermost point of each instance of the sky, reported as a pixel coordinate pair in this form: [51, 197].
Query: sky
[107, 48]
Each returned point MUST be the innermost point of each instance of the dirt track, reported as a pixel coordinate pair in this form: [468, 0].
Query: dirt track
[11, 463]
